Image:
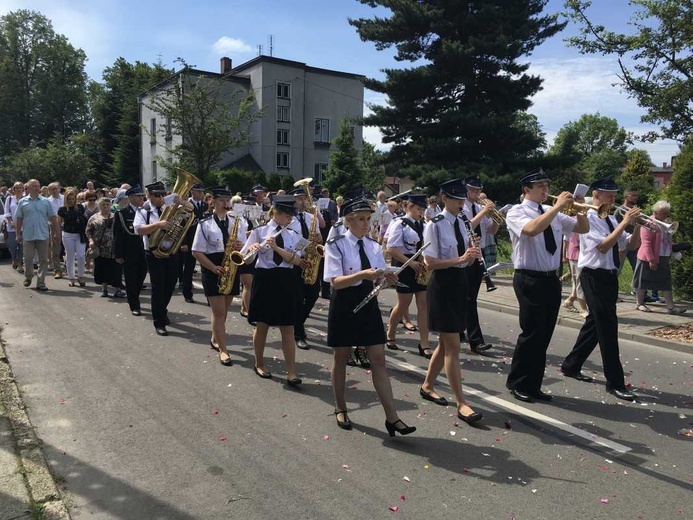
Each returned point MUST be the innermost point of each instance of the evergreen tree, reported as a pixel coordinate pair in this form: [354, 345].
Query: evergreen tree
[274, 181]
[373, 168]
[459, 104]
[636, 174]
[344, 169]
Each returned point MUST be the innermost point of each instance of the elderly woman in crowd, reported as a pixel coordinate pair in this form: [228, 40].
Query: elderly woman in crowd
[652, 271]
[100, 233]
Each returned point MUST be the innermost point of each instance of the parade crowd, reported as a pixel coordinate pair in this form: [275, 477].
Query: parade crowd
[280, 252]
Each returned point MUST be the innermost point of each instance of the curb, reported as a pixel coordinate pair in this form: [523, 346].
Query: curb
[37, 475]
[667, 344]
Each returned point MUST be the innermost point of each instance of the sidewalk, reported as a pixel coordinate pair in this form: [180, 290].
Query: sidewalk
[632, 324]
[27, 488]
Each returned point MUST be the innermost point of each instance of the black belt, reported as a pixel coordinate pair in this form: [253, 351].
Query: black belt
[600, 270]
[537, 274]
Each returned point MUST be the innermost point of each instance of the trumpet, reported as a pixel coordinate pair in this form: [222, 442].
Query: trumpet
[239, 259]
[493, 213]
[578, 208]
[652, 224]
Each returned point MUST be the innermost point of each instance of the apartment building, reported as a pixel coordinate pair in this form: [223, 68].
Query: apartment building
[302, 105]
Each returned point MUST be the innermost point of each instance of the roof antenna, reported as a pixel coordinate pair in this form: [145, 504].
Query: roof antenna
[271, 45]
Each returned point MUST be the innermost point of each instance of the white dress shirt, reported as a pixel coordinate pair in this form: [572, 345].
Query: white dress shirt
[144, 217]
[296, 223]
[485, 224]
[342, 256]
[402, 236]
[209, 238]
[590, 256]
[265, 256]
[530, 252]
[338, 229]
[56, 202]
[441, 235]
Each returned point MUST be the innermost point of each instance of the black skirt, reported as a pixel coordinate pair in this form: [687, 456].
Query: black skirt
[446, 296]
[408, 278]
[247, 268]
[107, 270]
[346, 329]
[274, 298]
[210, 281]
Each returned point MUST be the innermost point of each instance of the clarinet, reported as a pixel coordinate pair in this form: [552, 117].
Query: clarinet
[475, 241]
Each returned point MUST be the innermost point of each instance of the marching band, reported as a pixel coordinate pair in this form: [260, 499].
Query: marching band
[436, 261]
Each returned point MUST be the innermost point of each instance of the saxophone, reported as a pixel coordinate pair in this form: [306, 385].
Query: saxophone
[424, 275]
[314, 251]
[230, 267]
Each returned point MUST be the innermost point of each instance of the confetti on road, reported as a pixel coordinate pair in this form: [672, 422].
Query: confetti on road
[216, 412]
[394, 509]
[326, 437]
[222, 438]
[604, 500]
[406, 479]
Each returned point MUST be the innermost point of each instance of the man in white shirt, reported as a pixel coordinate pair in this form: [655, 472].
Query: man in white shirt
[535, 231]
[56, 199]
[599, 262]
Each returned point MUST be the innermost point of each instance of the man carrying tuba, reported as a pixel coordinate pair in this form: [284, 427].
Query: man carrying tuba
[163, 270]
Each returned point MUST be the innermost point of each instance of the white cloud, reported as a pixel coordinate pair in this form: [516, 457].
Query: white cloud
[227, 45]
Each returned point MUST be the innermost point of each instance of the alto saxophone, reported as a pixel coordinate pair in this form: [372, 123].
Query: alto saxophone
[230, 267]
[423, 276]
[314, 251]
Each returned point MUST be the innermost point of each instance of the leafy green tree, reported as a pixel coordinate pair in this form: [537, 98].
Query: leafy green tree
[238, 180]
[678, 193]
[274, 181]
[344, 170]
[43, 83]
[458, 103]
[210, 116]
[636, 174]
[373, 168]
[594, 145]
[654, 59]
[287, 182]
[58, 161]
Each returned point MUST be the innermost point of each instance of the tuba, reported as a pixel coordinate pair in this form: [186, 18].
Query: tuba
[165, 243]
[230, 266]
[313, 252]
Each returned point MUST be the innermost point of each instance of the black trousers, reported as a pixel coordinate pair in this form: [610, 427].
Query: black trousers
[135, 273]
[163, 275]
[309, 296]
[475, 274]
[187, 268]
[601, 327]
[539, 296]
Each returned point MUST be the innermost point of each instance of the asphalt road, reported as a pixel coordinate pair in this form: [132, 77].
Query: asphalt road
[136, 426]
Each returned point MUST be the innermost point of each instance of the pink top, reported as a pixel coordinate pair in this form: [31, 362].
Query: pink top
[573, 251]
[652, 246]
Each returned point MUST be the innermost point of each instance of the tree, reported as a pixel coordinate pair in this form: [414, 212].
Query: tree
[274, 181]
[43, 82]
[636, 174]
[592, 147]
[459, 103]
[287, 183]
[237, 180]
[211, 115]
[372, 162]
[344, 170]
[654, 61]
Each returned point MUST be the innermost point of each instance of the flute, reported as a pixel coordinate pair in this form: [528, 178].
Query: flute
[384, 284]
[249, 256]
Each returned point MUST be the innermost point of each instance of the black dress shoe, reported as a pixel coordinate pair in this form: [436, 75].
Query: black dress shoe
[622, 393]
[296, 381]
[471, 418]
[579, 376]
[226, 362]
[161, 331]
[540, 395]
[346, 423]
[189, 300]
[477, 349]
[428, 397]
[422, 352]
[167, 321]
[263, 375]
[521, 396]
[137, 312]
[351, 361]
[399, 427]
[360, 355]
[302, 344]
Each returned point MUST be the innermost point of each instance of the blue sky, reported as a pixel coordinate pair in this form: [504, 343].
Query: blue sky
[316, 32]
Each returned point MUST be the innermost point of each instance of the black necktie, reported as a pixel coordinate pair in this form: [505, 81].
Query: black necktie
[224, 226]
[280, 242]
[418, 227]
[459, 237]
[304, 227]
[549, 239]
[365, 263]
[158, 211]
[476, 229]
[614, 250]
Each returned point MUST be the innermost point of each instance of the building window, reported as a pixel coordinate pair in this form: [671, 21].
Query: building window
[169, 134]
[282, 160]
[283, 137]
[319, 172]
[152, 130]
[283, 90]
[283, 114]
[322, 130]
[153, 170]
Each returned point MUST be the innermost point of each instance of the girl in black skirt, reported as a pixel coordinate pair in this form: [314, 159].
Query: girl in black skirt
[208, 248]
[405, 237]
[448, 256]
[274, 297]
[353, 262]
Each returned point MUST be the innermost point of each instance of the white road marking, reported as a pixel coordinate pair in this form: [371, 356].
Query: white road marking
[527, 412]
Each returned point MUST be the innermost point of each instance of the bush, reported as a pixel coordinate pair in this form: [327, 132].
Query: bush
[236, 179]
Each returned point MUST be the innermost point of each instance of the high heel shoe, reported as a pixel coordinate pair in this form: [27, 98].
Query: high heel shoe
[346, 423]
[422, 352]
[402, 430]
[391, 344]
